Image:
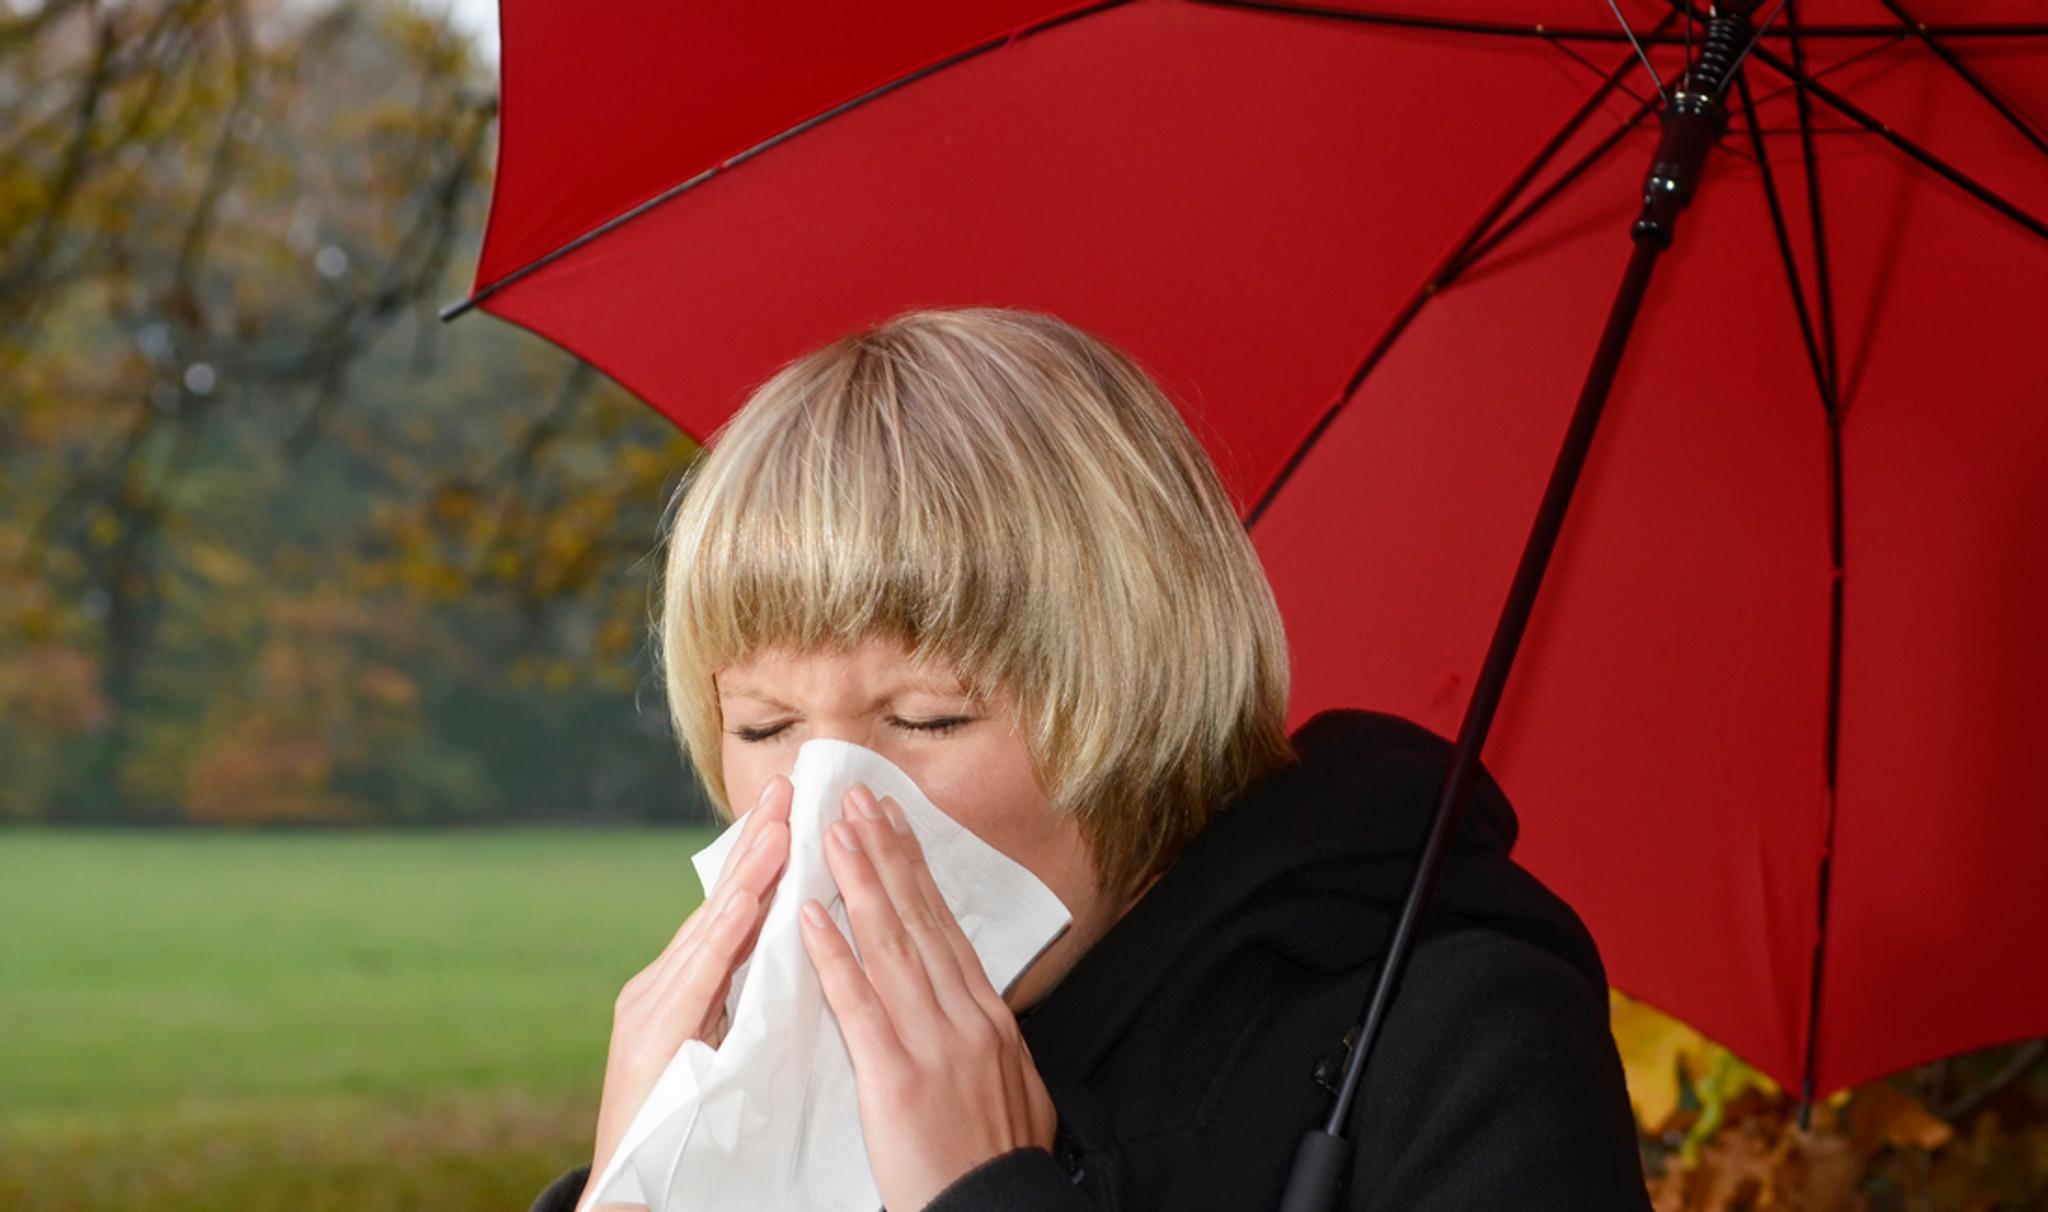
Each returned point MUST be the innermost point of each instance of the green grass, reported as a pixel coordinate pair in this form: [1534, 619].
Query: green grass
[314, 1020]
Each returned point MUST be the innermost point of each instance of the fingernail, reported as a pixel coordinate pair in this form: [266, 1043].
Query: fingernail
[765, 789]
[843, 834]
[894, 811]
[864, 803]
[815, 914]
[732, 902]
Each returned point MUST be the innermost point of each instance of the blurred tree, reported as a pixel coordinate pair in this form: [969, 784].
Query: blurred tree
[247, 477]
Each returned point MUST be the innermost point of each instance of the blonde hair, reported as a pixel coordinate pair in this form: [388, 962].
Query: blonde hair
[1015, 499]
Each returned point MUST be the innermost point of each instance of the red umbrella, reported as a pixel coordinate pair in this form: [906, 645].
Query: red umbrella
[1771, 722]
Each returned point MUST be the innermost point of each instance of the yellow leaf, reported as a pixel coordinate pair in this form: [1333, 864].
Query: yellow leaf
[1659, 1053]
[1651, 1045]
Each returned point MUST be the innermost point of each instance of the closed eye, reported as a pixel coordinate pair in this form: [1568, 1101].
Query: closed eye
[940, 726]
[762, 733]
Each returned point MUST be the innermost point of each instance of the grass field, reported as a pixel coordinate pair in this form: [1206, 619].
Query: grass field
[363, 1021]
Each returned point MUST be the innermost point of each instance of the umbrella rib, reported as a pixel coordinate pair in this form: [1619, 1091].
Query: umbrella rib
[1863, 118]
[1832, 727]
[457, 308]
[1818, 130]
[1552, 34]
[1637, 46]
[1577, 56]
[1754, 39]
[1509, 29]
[1823, 272]
[1836, 66]
[1778, 224]
[2019, 123]
[1447, 269]
[1564, 181]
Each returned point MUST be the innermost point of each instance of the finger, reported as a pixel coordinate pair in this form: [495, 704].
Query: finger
[973, 975]
[899, 863]
[756, 860]
[894, 966]
[746, 859]
[754, 864]
[687, 995]
[753, 873]
[692, 923]
[1020, 1075]
[759, 871]
[771, 805]
[1045, 1118]
[864, 1021]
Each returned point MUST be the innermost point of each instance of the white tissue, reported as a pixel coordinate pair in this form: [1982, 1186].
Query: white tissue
[771, 1118]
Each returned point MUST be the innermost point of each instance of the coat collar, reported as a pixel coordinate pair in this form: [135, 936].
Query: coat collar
[1303, 862]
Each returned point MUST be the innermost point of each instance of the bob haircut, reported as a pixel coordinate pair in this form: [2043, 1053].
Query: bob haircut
[1013, 500]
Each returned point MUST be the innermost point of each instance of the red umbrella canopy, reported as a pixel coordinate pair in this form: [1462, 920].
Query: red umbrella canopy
[1780, 690]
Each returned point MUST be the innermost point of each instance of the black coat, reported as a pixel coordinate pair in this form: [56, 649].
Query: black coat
[1182, 1050]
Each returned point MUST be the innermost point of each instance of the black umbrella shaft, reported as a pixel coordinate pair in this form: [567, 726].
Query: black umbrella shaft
[1692, 124]
[1324, 1155]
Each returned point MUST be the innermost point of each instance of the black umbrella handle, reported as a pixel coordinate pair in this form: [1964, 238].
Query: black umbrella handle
[1692, 123]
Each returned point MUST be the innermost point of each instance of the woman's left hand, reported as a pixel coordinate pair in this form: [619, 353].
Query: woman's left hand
[945, 1080]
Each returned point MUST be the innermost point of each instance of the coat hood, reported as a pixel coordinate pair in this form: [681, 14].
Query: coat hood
[1310, 865]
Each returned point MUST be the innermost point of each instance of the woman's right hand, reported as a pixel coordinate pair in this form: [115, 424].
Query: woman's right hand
[681, 995]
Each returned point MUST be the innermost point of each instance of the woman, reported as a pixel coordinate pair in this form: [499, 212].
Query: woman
[984, 544]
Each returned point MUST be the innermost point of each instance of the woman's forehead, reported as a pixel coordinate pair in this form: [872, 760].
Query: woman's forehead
[878, 668]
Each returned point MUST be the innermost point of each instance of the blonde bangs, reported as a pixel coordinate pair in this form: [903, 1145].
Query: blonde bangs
[816, 525]
[1016, 503]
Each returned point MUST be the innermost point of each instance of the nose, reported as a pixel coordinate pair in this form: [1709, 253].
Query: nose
[857, 730]
[868, 733]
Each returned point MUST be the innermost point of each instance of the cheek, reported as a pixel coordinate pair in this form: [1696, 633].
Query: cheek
[990, 789]
[745, 771]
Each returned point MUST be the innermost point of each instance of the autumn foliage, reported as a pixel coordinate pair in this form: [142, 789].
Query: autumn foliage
[1968, 1133]
[276, 546]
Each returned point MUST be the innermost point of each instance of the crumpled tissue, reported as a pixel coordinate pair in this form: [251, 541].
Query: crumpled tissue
[770, 1119]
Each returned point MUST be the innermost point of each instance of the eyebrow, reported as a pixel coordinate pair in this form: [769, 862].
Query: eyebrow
[932, 685]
